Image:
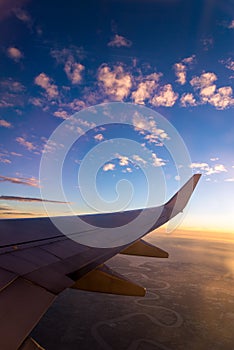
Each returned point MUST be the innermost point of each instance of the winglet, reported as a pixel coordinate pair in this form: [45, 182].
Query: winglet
[181, 198]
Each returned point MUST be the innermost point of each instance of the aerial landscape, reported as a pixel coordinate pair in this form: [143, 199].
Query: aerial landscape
[117, 106]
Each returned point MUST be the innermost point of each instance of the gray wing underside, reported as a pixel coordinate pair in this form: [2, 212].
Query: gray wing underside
[37, 262]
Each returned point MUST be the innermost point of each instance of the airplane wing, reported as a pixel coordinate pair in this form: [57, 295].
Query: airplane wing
[37, 262]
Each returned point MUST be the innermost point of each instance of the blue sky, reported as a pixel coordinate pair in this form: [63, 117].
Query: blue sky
[175, 57]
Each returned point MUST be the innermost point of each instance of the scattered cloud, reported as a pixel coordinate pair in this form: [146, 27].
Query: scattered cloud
[5, 124]
[220, 98]
[15, 54]
[157, 162]
[180, 72]
[123, 160]
[27, 144]
[181, 69]
[214, 159]
[46, 83]
[139, 159]
[231, 24]
[229, 63]
[23, 16]
[208, 170]
[61, 114]
[12, 85]
[31, 181]
[28, 199]
[108, 167]
[115, 82]
[207, 43]
[229, 179]
[146, 88]
[74, 71]
[99, 137]
[69, 57]
[205, 80]
[120, 41]
[188, 99]
[165, 97]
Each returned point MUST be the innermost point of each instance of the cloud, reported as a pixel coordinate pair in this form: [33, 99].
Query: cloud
[69, 57]
[146, 88]
[214, 159]
[220, 98]
[108, 167]
[7, 7]
[12, 85]
[188, 99]
[208, 170]
[27, 144]
[61, 114]
[156, 162]
[31, 181]
[165, 97]
[45, 83]
[5, 124]
[15, 54]
[74, 71]
[99, 137]
[230, 179]
[116, 83]
[139, 159]
[181, 69]
[23, 16]
[205, 80]
[180, 72]
[231, 24]
[229, 63]
[28, 199]
[207, 43]
[123, 160]
[120, 41]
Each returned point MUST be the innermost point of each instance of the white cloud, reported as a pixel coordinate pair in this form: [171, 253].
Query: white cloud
[108, 167]
[157, 161]
[27, 144]
[29, 181]
[205, 79]
[119, 41]
[214, 159]
[230, 179]
[146, 88]
[123, 160]
[5, 123]
[180, 72]
[61, 114]
[187, 99]
[45, 83]
[139, 159]
[189, 60]
[165, 97]
[222, 98]
[116, 83]
[208, 170]
[14, 53]
[99, 137]
[74, 71]
[12, 85]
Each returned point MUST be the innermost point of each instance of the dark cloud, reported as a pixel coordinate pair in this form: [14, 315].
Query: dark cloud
[28, 199]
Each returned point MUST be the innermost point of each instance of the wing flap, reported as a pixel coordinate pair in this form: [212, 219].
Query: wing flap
[22, 304]
[105, 280]
[143, 248]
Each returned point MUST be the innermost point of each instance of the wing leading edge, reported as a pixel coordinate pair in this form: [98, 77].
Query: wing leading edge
[37, 262]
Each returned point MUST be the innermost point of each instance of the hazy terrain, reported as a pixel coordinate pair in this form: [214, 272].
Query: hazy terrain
[189, 302]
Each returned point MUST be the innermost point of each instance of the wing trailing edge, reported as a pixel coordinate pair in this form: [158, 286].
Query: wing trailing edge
[105, 280]
[143, 248]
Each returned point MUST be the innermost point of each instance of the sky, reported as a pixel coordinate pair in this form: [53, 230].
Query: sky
[174, 57]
